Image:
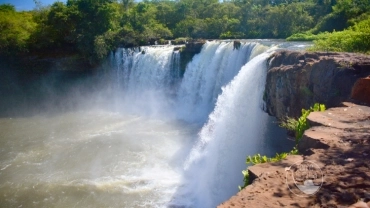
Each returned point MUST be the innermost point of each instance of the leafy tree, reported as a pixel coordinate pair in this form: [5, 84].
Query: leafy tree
[54, 28]
[93, 28]
[15, 30]
[127, 4]
[352, 8]
[166, 13]
[90, 19]
[284, 20]
[353, 39]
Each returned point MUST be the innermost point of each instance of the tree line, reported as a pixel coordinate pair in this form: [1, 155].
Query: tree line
[92, 28]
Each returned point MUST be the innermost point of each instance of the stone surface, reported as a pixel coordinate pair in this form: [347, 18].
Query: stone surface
[339, 143]
[361, 90]
[297, 80]
[187, 53]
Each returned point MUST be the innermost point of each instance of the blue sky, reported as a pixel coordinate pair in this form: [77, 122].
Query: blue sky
[27, 4]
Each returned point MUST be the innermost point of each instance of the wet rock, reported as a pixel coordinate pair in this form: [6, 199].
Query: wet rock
[191, 48]
[237, 44]
[194, 46]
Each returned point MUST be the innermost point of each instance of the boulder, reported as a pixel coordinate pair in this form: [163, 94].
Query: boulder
[237, 44]
[361, 90]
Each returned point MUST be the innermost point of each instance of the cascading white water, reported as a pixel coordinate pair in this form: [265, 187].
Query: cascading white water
[144, 68]
[235, 127]
[145, 78]
[237, 120]
[168, 142]
[214, 67]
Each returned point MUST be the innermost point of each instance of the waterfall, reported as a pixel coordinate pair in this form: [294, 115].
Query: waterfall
[222, 90]
[235, 127]
[146, 134]
[150, 78]
[145, 78]
[214, 67]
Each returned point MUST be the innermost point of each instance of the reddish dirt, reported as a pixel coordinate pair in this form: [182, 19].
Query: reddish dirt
[339, 143]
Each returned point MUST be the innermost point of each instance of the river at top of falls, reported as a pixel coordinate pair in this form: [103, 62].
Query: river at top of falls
[147, 137]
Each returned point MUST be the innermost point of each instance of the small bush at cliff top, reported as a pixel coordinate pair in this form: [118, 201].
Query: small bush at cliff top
[257, 159]
[179, 41]
[302, 124]
[298, 125]
[289, 124]
[307, 36]
[302, 37]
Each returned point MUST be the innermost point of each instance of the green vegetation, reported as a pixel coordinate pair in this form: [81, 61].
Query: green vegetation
[93, 28]
[302, 124]
[289, 124]
[298, 126]
[257, 159]
[16, 29]
[353, 39]
[346, 28]
[307, 36]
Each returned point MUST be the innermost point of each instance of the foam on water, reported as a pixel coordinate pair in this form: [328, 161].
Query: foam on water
[168, 141]
[103, 158]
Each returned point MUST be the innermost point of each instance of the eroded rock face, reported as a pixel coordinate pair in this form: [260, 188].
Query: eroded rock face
[187, 53]
[361, 90]
[297, 80]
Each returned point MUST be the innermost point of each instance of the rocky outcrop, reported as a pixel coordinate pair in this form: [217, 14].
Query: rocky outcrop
[339, 144]
[188, 51]
[297, 80]
[237, 44]
[361, 90]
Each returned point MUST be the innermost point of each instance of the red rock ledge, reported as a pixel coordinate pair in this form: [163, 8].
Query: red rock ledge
[339, 143]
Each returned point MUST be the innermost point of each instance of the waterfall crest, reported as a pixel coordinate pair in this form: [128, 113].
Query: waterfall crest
[214, 67]
[145, 79]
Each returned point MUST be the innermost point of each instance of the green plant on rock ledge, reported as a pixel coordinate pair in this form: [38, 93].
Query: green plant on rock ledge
[289, 124]
[257, 159]
[302, 124]
[298, 126]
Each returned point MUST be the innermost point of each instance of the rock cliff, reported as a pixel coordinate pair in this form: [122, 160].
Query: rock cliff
[338, 143]
[297, 80]
[338, 140]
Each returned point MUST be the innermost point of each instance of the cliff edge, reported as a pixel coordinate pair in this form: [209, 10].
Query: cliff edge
[339, 143]
[297, 80]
